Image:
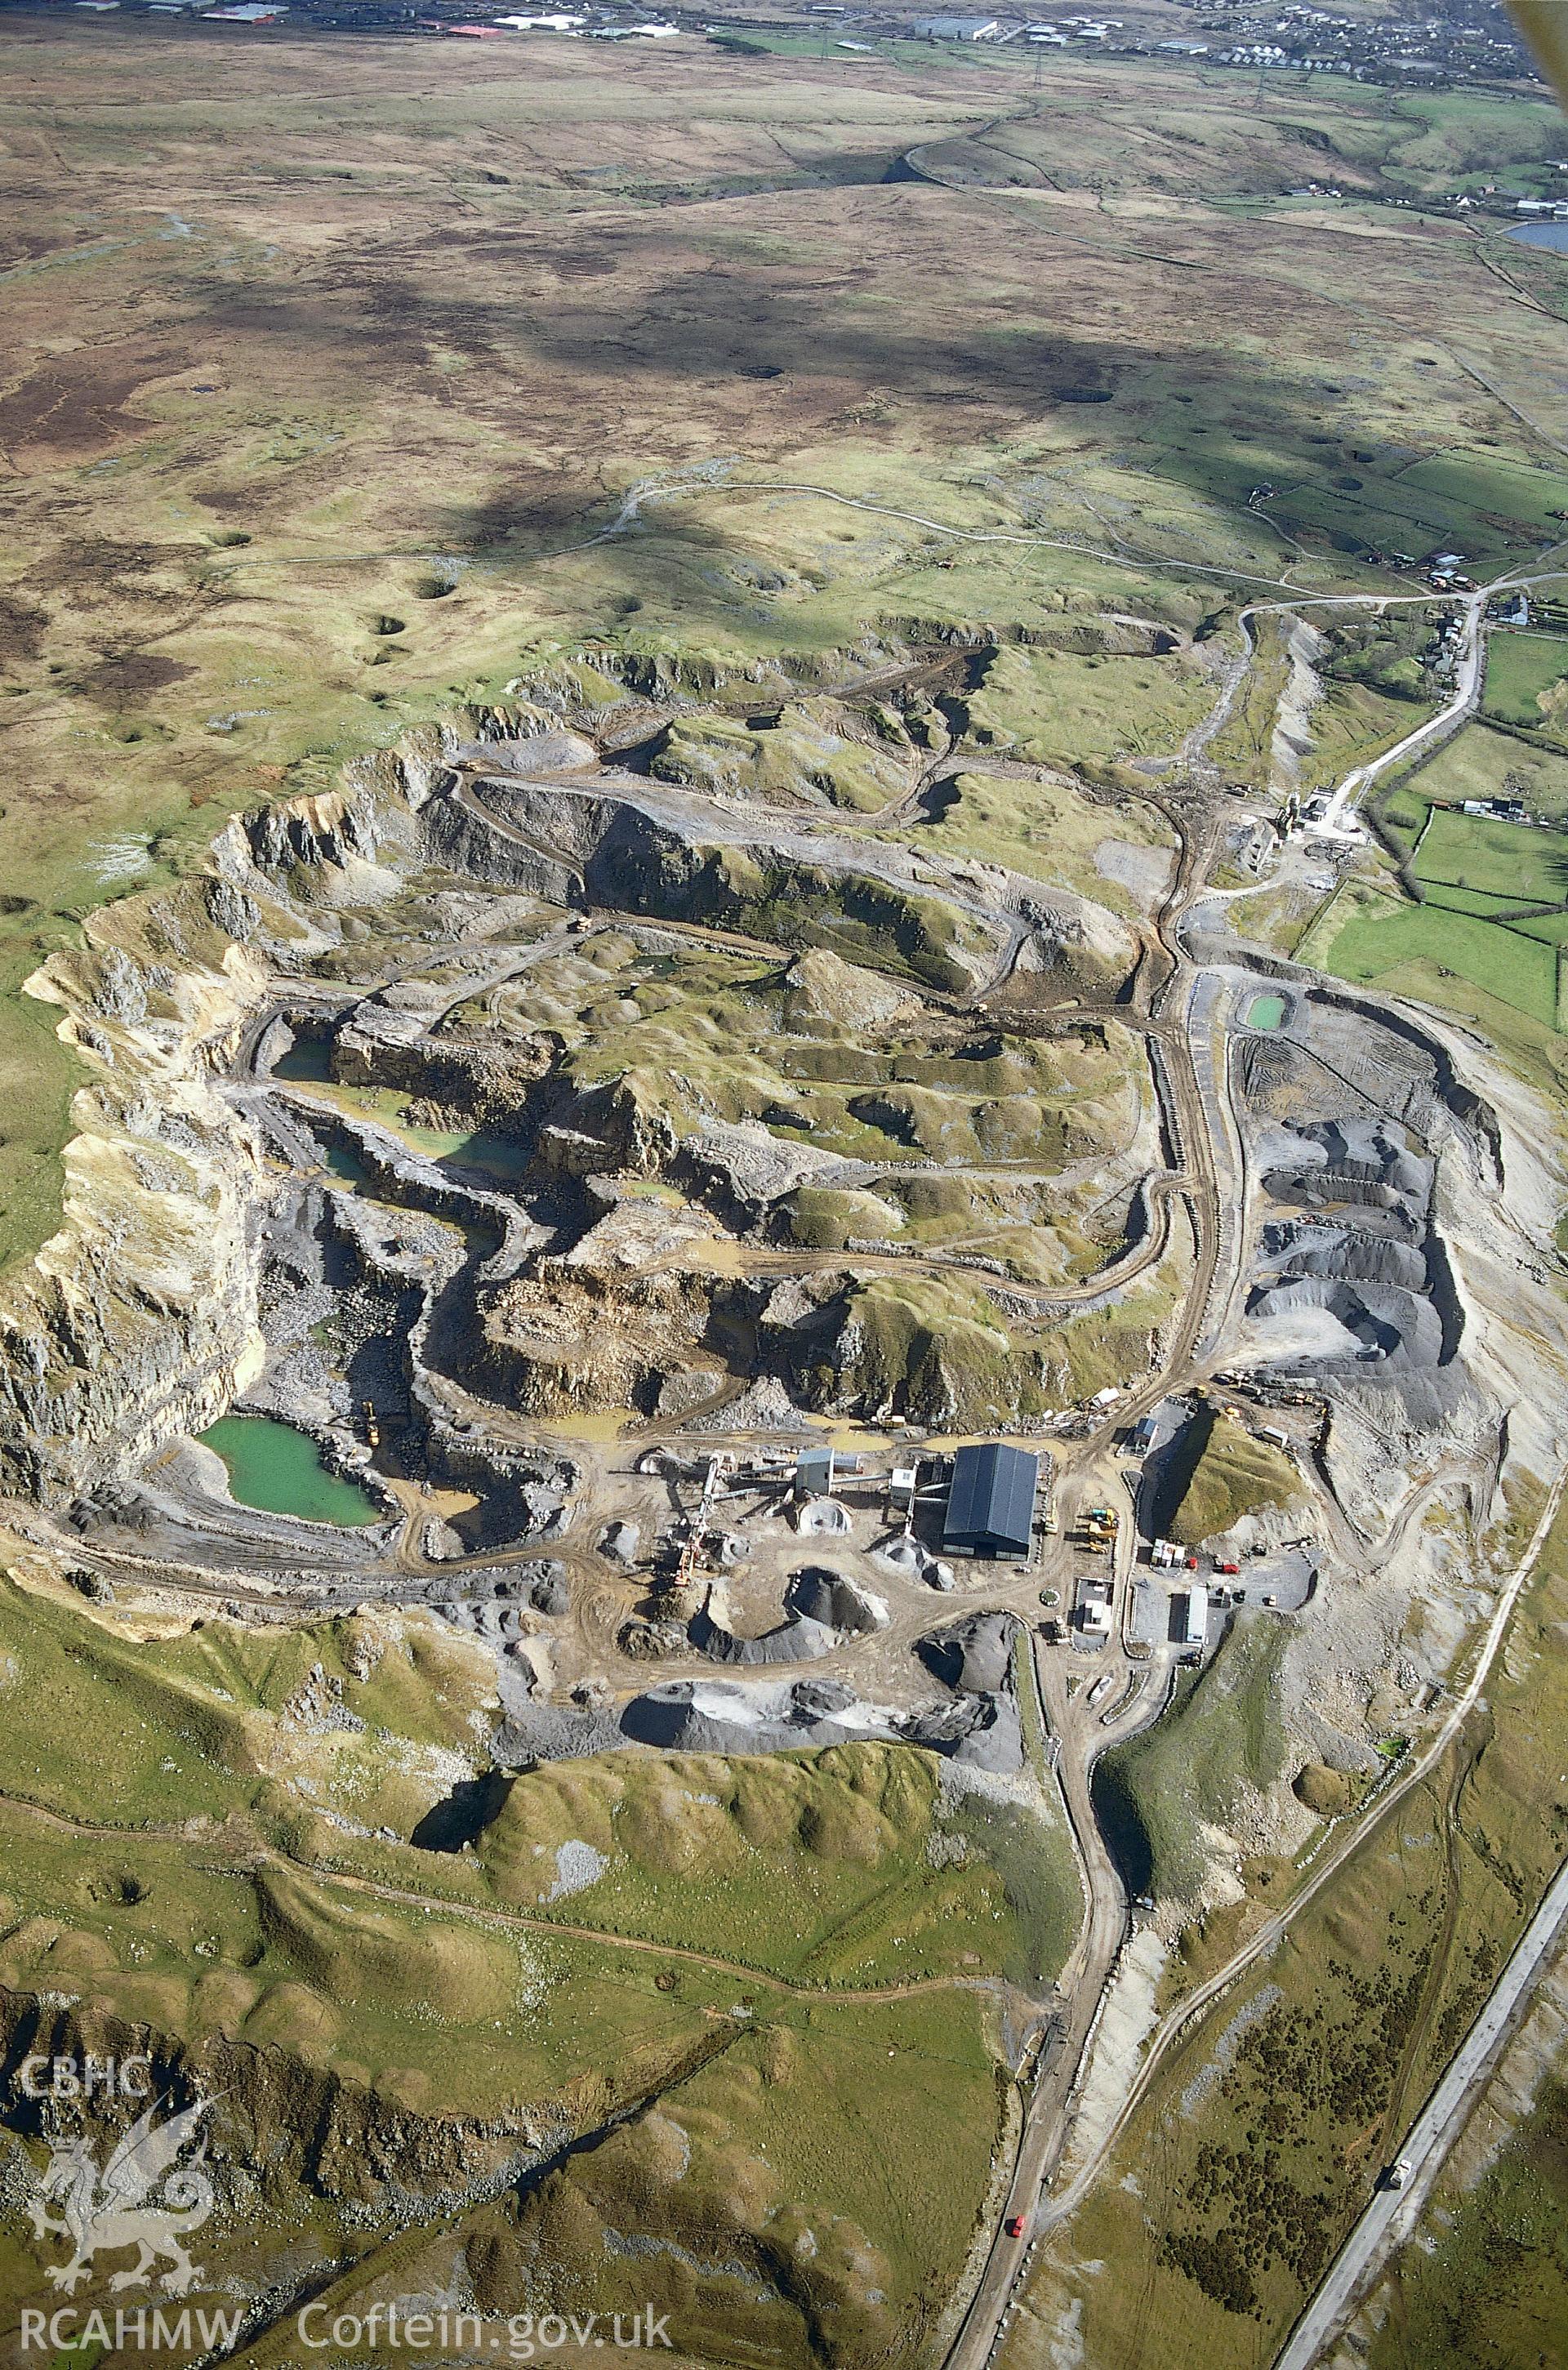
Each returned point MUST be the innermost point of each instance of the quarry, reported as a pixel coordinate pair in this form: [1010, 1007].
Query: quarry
[588, 1151]
[611, 1257]
[695, 1287]
[783, 1021]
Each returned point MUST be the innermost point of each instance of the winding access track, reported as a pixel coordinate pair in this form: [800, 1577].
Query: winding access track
[1092, 1963]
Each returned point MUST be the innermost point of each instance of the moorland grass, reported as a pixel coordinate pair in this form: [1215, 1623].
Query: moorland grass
[215, 640]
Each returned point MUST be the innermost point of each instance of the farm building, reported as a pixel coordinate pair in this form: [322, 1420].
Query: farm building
[990, 1509]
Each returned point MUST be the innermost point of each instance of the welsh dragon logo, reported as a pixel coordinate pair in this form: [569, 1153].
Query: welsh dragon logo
[143, 2198]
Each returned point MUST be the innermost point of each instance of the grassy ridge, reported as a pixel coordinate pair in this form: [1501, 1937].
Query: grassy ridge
[1384, 938]
[1222, 1736]
[840, 1869]
[1230, 1473]
[1045, 827]
[835, 1867]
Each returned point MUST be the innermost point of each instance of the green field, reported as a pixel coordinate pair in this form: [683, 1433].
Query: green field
[1374, 937]
[1551, 930]
[1485, 903]
[1476, 873]
[1481, 762]
[1352, 722]
[1500, 860]
[780, 2186]
[1524, 674]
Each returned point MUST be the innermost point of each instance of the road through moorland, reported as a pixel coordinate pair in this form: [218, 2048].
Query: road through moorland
[1466, 700]
[1138, 562]
[1393, 2212]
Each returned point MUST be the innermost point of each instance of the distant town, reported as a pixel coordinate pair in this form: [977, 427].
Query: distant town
[1474, 43]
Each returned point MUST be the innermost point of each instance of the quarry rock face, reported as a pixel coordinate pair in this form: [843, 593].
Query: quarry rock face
[313, 2130]
[138, 1319]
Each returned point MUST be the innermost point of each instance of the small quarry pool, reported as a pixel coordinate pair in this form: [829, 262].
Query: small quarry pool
[1265, 1012]
[279, 1471]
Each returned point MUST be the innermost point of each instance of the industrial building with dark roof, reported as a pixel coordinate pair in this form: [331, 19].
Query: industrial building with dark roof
[990, 1509]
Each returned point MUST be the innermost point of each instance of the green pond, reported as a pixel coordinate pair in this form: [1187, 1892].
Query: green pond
[308, 1062]
[1265, 1012]
[279, 1470]
[343, 1162]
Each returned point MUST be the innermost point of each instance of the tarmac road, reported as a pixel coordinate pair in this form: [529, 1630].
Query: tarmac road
[1466, 698]
[1198, 1102]
[1392, 2214]
[1086, 1973]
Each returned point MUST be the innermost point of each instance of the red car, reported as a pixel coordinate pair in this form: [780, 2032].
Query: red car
[1229, 1569]
[1016, 2225]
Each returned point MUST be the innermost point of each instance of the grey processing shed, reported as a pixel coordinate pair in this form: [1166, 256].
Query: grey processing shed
[990, 1509]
